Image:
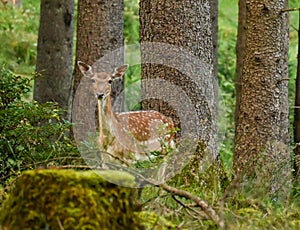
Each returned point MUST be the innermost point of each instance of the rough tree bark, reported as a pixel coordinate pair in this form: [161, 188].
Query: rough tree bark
[100, 44]
[240, 53]
[55, 52]
[214, 21]
[177, 47]
[262, 121]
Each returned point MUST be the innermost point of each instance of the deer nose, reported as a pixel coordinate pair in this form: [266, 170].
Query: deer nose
[100, 96]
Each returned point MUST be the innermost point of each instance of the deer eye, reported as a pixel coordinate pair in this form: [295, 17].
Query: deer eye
[109, 81]
[93, 80]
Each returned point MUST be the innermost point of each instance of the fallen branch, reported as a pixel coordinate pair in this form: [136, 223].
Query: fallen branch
[209, 211]
[189, 208]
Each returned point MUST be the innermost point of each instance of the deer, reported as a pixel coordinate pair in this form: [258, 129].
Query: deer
[126, 136]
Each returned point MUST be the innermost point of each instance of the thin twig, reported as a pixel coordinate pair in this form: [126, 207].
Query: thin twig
[188, 207]
[60, 224]
[283, 79]
[290, 9]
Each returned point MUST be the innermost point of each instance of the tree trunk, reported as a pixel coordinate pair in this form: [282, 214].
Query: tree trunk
[55, 52]
[100, 44]
[262, 125]
[100, 40]
[297, 114]
[240, 53]
[214, 22]
[178, 68]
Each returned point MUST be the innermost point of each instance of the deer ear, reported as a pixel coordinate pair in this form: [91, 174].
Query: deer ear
[84, 68]
[120, 71]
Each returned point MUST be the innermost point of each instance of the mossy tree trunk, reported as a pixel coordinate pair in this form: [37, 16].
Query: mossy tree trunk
[177, 47]
[262, 121]
[55, 52]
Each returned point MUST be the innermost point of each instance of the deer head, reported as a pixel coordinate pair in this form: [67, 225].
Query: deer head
[101, 81]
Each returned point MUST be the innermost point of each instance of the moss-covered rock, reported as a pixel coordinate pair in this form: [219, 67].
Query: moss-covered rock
[66, 199]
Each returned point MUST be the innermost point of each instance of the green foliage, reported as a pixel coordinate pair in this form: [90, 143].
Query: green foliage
[153, 221]
[66, 199]
[226, 77]
[244, 211]
[18, 36]
[131, 22]
[31, 133]
[133, 74]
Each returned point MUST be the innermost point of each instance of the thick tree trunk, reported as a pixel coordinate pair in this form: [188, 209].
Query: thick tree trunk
[100, 44]
[262, 125]
[55, 52]
[178, 59]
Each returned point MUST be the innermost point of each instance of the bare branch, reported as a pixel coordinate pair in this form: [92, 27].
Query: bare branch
[212, 214]
[200, 215]
[290, 9]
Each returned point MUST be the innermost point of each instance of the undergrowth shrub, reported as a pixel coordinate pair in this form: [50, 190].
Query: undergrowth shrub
[31, 134]
[18, 35]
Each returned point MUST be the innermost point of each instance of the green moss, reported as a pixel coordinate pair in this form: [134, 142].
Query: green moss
[204, 171]
[155, 221]
[66, 199]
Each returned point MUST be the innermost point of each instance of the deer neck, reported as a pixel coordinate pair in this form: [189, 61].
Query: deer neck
[107, 119]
